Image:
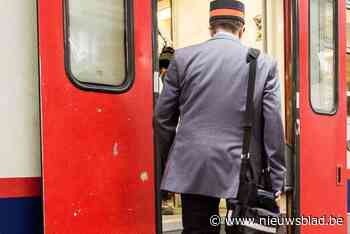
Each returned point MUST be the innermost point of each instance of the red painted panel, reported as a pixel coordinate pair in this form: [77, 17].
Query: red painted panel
[322, 139]
[20, 187]
[98, 172]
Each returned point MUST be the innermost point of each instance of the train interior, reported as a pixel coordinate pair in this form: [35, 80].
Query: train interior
[265, 30]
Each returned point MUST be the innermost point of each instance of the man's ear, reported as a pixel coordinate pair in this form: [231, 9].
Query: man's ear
[211, 31]
[241, 32]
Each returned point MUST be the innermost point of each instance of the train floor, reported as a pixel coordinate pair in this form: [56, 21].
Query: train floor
[172, 224]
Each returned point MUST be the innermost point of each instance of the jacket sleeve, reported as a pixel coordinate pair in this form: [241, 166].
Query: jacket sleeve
[167, 114]
[273, 129]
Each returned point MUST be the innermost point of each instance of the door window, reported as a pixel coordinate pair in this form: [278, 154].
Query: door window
[323, 56]
[98, 42]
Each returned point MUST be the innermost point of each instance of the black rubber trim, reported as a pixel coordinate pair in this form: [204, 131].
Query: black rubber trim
[129, 55]
[296, 114]
[157, 162]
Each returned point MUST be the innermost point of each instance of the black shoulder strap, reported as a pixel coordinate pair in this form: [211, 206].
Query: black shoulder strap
[252, 57]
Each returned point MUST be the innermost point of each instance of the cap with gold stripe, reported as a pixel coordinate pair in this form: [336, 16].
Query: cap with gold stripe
[226, 10]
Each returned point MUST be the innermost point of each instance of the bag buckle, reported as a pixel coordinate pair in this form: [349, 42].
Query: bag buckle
[245, 156]
[267, 169]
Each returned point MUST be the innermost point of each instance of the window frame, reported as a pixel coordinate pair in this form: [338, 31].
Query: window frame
[129, 54]
[335, 65]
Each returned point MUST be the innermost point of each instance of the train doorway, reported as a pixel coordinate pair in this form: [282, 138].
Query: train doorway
[94, 84]
[266, 30]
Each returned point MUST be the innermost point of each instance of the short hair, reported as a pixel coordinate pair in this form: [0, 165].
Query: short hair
[228, 25]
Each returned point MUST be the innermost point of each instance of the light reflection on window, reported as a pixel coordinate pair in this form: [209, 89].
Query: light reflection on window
[97, 41]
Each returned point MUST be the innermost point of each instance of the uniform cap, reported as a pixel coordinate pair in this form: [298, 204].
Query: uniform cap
[226, 10]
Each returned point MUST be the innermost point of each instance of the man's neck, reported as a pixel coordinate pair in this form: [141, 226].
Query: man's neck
[227, 33]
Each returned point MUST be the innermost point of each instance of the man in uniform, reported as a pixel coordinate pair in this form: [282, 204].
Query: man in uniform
[167, 54]
[199, 118]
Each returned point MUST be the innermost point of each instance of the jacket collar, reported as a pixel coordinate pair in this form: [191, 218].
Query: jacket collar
[224, 35]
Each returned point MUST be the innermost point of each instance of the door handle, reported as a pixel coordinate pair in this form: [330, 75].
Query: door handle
[339, 175]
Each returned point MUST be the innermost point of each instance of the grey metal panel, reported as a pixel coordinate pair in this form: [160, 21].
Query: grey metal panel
[19, 99]
[172, 223]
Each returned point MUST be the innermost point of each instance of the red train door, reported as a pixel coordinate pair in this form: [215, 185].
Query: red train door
[96, 108]
[322, 114]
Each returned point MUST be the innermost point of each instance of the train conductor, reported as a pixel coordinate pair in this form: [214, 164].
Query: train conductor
[199, 116]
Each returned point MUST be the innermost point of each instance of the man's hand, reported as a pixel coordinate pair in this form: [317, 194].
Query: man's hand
[278, 199]
[278, 196]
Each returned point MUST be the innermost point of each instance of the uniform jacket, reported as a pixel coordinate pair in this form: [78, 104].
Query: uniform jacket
[199, 118]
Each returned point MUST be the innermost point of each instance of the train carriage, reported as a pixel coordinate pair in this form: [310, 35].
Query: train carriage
[77, 97]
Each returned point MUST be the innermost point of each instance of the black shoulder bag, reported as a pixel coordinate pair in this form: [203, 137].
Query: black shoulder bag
[255, 207]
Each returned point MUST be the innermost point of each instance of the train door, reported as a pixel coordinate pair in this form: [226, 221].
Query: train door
[96, 109]
[320, 60]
